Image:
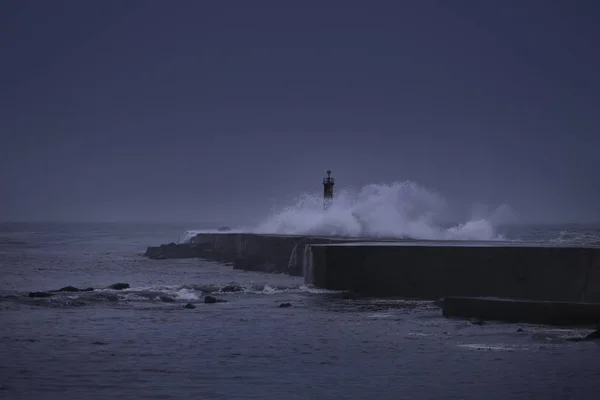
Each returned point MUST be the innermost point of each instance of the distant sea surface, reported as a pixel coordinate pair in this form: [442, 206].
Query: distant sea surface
[141, 343]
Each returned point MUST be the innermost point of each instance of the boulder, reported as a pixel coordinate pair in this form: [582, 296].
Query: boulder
[69, 289]
[174, 251]
[118, 286]
[212, 300]
[189, 305]
[39, 294]
[232, 288]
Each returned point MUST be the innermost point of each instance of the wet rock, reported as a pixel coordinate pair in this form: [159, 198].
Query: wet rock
[189, 305]
[166, 299]
[39, 294]
[111, 297]
[174, 250]
[232, 288]
[213, 299]
[118, 286]
[89, 289]
[210, 299]
[99, 343]
[285, 305]
[68, 289]
[520, 330]
[154, 253]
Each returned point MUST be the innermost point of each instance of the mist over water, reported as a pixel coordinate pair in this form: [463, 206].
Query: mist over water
[396, 210]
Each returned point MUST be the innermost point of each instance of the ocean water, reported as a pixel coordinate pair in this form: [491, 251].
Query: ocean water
[141, 343]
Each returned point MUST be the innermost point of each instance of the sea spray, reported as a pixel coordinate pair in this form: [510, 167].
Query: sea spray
[396, 210]
[399, 210]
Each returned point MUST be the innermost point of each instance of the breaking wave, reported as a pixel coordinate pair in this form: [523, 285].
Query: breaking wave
[190, 293]
[575, 237]
[396, 210]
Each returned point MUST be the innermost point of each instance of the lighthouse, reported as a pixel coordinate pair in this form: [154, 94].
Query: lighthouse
[328, 183]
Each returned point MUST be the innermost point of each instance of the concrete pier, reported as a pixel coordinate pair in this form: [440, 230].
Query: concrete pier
[434, 269]
[409, 268]
[252, 252]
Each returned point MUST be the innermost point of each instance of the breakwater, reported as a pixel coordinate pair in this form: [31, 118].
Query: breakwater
[250, 252]
[413, 269]
[430, 270]
[518, 310]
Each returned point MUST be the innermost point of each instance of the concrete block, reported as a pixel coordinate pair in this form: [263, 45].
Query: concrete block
[523, 311]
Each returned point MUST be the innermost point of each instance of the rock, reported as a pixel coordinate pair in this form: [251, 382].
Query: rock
[154, 253]
[520, 330]
[189, 305]
[69, 289]
[212, 300]
[478, 322]
[174, 250]
[74, 289]
[285, 305]
[118, 286]
[167, 299]
[232, 288]
[39, 294]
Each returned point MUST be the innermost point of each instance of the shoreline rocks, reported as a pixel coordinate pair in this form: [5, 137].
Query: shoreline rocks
[73, 289]
[213, 300]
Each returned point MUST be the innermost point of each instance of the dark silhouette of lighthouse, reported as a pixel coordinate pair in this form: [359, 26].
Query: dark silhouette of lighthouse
[328, 183]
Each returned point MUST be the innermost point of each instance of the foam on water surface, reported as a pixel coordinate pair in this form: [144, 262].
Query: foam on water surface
[396, 210]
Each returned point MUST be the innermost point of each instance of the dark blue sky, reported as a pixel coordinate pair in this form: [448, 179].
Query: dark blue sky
[198, 110]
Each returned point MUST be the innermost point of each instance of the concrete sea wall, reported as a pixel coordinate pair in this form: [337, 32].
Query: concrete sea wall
[553, 284]
[527, 311]
[430, 270]
[414, 269]
[266, 253]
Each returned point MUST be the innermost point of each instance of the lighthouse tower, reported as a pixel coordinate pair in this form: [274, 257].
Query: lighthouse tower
[328, 183]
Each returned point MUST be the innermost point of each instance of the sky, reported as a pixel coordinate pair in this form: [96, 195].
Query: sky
[204, 110]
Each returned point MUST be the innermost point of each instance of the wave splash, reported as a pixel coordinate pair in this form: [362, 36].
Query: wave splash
[396, 210]
[157, 294]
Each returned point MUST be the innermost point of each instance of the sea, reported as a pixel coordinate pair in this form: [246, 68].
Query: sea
[142, 343]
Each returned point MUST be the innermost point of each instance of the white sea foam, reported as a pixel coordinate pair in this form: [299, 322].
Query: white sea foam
[396, 210]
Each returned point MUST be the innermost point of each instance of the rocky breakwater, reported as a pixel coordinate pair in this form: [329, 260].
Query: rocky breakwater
[263, 253]
[246, 251]
[184, 250]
